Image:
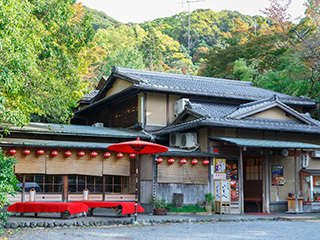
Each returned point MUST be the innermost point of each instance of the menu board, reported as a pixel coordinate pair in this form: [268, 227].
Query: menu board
[277, 175]
[222, 190]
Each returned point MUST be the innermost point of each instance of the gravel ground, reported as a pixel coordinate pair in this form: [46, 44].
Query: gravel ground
[221, 230]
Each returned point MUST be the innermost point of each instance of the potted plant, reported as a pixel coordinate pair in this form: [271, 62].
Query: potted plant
[159, 206]
[208, 205]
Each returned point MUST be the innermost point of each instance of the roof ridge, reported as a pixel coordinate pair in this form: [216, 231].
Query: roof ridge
[181, 76]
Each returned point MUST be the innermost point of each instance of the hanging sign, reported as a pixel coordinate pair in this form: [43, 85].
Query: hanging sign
[277, 175]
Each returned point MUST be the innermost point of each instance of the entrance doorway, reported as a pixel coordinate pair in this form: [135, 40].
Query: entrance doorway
[252, 183]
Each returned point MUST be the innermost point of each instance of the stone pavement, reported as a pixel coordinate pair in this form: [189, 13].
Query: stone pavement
[106, 217]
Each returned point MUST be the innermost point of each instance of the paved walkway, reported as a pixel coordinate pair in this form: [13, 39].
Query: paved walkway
[105, 217]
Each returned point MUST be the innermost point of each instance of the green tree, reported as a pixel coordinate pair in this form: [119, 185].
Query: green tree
[41, 63]
[41, 43]
[243, 71]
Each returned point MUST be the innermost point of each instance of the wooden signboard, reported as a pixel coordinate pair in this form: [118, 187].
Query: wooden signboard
[222, 199]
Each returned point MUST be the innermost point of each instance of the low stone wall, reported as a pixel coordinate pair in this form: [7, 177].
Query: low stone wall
[120, 223]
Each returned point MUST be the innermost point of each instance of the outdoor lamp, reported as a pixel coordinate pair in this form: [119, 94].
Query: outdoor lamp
[94, 154]
[26, 152]
[40, 152]
[206, 162]
[194, 161]
[183, 161]
[81, 153]
[67, 153]
[13, 151]
[54, 153]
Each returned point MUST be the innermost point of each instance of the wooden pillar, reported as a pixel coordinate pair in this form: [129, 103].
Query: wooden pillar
[266, 183]
[23, 187]
[103, 188]
[241, 190]
[65, 188]
[295, 182]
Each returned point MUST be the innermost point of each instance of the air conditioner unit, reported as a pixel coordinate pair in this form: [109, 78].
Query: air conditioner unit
[97, 124]
[179, 106]
[174, 139]
[188, 140]
[315, 154]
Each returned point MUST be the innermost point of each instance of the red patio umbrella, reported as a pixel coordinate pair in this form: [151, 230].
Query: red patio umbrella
[138, 147]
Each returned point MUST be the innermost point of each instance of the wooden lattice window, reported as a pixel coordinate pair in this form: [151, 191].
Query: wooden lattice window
[124, 113]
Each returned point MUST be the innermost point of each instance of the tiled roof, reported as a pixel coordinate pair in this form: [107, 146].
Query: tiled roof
[78, 130]
[218, 115]
[259, 143]
[202, 86]
[87, 97]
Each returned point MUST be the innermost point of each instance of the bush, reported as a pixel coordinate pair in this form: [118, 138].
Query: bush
[8, 183]
[209, 197]
[187, 208]
[159, 203]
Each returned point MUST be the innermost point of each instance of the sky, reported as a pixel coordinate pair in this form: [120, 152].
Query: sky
[138, 11]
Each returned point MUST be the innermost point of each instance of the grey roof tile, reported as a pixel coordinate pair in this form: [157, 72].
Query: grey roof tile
[87, 97]
[204, 86]
[78, 130]
[217, 115]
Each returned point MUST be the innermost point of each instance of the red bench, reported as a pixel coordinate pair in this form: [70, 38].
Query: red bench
[66, 209]
[120, 208]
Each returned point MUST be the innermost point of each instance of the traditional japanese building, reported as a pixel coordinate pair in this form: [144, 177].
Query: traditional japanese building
[265, 142]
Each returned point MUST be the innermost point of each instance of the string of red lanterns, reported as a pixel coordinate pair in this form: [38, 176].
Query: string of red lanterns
[68, 153]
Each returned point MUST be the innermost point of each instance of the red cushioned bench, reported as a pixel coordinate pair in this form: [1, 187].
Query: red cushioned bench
[66, 209]
[120, 208]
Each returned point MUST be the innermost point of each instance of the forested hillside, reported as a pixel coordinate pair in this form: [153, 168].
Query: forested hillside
[270, 51]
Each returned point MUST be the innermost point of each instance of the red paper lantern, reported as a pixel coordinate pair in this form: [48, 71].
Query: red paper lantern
[194, 161]
[81, 153]
[183, 161]
[206, 162]
[132, 155]
[40, 152]
[119, 155]
[67, 153]
[94, 154]
[26, 152]
[107, 154]
[159, 160]
[54, 153]
[13, 151]
[170, 160]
